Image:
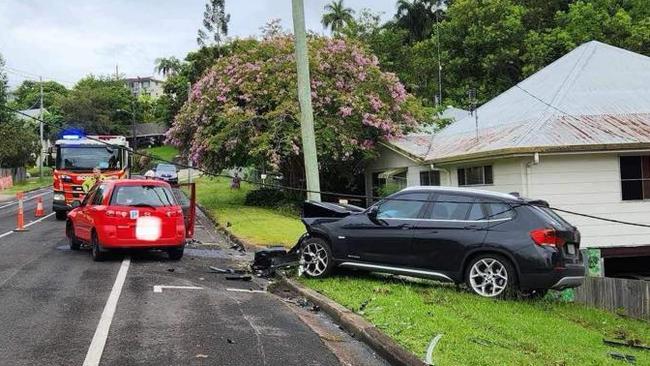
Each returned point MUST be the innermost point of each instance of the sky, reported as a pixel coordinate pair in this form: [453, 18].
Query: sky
[64, 40]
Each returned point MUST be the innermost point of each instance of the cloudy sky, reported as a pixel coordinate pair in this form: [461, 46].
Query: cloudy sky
[64, 40]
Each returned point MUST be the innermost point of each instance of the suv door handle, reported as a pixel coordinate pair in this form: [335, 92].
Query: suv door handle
[473, 227]
[406, 226]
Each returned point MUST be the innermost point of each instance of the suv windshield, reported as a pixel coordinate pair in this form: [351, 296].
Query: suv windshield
[88, 157]
[155, 196]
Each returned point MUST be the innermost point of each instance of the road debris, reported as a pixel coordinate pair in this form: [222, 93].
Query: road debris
[201, 356]
[226, 270]
[171, 269]
[428, 359]
[633, 343]
[230, 341]
[268, 260]
[621, 357]
[239, 277]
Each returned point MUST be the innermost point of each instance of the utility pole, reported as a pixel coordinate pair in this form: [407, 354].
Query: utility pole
[40, 117]
[304, 97]
[135, 138]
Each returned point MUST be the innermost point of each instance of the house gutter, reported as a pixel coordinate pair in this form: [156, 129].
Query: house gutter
[541, 150]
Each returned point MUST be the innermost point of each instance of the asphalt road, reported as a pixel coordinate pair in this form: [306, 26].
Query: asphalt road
[54, 301]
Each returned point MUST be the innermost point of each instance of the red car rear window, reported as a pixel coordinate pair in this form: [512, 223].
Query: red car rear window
[155, 196]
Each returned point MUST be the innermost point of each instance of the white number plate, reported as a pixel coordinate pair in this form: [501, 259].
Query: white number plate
[571, 249]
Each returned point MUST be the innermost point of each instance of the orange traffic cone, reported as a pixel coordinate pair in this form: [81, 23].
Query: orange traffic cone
[21, 217]
[39, 208]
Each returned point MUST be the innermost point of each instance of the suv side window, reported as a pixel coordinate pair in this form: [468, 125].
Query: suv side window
[403, 206]
[99, 195]
[498, 210]
[451, 207]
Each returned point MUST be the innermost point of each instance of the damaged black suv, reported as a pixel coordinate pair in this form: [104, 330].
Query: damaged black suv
[497, 244]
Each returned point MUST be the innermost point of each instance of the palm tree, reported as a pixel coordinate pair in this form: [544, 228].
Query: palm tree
[337, 16]
[417, 16]
[167, 66]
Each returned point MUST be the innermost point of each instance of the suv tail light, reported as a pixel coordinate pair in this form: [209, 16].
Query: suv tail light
[546, 237]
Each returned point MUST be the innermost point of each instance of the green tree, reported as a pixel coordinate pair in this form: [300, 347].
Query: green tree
[168, 66]
[482, 41]
[336, 16]
[28, 94]
[215, 24]
[20, 144]
[621, 23]
[5, 115]
[95, 103]
[244, 110]
[417, 17]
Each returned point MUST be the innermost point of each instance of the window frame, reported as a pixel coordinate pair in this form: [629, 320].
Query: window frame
[475, 200]
[483, 175]
[641, 179]
[100, 189]
[420, 216]
[429, 174]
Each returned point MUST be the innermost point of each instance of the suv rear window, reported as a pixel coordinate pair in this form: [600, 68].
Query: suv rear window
[552, 216]
[156, 196]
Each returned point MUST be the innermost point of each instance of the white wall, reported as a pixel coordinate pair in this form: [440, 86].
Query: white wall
[590, 183]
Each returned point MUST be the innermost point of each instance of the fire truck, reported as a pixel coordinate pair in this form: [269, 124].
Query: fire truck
[76, 157]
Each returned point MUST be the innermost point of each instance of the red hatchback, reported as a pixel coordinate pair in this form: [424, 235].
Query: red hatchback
[128, 213]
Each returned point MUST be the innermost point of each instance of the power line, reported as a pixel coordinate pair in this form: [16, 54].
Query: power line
[328, 193]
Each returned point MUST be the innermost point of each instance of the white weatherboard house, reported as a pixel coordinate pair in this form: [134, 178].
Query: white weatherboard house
[576, 133]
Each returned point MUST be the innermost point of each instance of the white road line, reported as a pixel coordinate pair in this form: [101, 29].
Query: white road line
[28, 225]
[159, 288]
[246, 290]
[28, 198]
[96, 348]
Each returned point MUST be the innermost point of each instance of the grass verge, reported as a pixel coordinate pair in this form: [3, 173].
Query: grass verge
[29, 184]
[256, 225]
[167, 153]
[479, 331]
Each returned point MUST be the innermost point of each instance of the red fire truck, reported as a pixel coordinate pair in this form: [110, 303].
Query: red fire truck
[76, 157]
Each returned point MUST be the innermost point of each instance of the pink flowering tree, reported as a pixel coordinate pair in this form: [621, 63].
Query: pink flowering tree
[244, 110]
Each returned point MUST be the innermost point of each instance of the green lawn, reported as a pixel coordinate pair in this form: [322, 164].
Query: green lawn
[29, 184]
[166, 153]
[480, 331]
[256, 225]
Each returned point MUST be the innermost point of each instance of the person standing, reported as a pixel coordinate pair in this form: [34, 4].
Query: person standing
[90, 181]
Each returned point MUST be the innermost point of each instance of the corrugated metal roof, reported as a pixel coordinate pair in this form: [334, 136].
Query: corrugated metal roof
[596, 94]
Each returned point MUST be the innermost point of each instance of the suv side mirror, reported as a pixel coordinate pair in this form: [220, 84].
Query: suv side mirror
[75, 204]
[372, 212]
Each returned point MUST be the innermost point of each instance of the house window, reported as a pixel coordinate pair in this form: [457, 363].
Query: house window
[477, 175]
[635, 177]
[430, 178]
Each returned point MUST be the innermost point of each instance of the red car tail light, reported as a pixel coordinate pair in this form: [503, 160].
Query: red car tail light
[174, 213]
[546, 236]
[116, 213]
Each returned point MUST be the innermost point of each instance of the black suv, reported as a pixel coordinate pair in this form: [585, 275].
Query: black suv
[497, 244]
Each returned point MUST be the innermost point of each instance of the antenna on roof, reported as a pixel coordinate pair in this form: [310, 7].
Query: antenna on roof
[471, 93]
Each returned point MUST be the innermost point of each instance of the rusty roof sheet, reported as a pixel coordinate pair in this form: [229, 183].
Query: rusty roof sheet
[594, 95]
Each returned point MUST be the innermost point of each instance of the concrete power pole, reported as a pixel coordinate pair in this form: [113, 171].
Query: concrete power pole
[304, 97]
[40, 116]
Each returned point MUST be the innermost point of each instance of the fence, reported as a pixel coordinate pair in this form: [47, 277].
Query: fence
[17, 174]
[629, 297]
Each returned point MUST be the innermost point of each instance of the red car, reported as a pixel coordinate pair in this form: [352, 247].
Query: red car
[128, 213]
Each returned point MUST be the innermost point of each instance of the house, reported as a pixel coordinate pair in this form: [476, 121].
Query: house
[30, 114]
[145, 85]
[576, 133]
[149, 134]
